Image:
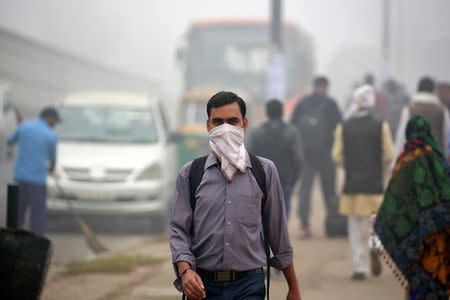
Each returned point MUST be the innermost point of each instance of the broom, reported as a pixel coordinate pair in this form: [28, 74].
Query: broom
[93, 243]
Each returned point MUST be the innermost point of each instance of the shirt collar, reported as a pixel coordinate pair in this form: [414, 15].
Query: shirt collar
[212, 160]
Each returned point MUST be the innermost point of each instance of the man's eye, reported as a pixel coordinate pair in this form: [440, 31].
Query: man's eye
[218, 122]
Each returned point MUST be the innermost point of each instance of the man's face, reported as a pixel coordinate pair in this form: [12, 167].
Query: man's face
[321, 89]
[230, 114]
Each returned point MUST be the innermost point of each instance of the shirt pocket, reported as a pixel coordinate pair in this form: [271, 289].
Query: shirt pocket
[249, 210]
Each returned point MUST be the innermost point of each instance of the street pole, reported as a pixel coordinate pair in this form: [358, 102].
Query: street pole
[276, 77]
[275, 25]
[12, 216]
[386, 40]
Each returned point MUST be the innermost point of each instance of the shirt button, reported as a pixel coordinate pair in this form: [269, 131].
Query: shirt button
[227, 244]
[229, 223]
[229, 202]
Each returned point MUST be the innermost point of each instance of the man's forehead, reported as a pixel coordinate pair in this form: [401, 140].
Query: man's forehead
[232, 109]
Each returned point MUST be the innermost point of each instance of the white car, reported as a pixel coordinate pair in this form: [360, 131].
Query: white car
[115, 157]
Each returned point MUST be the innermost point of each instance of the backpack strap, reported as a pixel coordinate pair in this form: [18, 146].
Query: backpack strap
[195, 177]
[260, 176]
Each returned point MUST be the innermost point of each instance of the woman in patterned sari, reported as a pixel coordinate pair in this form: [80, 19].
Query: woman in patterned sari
[413, 222]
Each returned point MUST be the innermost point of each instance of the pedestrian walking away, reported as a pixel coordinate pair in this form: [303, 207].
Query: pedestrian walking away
[226, 212]
[413, 222]
[280, 142]
[363, 147]
[35, 159]
[316, 118]
[426, 104]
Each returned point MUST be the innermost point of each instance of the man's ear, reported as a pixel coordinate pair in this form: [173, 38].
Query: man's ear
[245, 121]
[208, 126]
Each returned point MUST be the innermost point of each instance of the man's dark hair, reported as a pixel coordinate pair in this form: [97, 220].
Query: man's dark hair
[369, 79]
[321, 81]
[274, 109]
[426, 84]
[224, 98]
[50, 112]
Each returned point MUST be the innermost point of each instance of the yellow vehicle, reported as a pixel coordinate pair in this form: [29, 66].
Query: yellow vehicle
[193, 141]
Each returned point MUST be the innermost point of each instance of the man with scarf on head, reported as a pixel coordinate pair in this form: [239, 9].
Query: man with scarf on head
[218, 249]
[413, 222]
[363, 147]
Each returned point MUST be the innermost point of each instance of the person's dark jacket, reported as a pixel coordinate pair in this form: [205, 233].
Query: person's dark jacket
[280, 142]
[316, 118]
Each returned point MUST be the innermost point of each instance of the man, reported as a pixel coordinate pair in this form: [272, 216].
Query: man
[281, 143]
[36, 157]
[396, 98]
[316, 117]
[218, 248]
[426, 104]
[363, 148]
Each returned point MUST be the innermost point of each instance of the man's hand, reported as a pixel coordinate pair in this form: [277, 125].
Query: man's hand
[294, 295]
[193, 286]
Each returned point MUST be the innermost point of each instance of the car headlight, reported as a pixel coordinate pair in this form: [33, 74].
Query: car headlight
[151, 173]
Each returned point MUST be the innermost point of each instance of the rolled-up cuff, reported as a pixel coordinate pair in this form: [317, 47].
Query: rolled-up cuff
[282, 260]
[187, 258]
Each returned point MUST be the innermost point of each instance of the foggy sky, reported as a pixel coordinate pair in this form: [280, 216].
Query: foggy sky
[141, 36]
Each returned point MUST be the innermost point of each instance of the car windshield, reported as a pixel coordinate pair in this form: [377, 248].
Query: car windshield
[107, 125]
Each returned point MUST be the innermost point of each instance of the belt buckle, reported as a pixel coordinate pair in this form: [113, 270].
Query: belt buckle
[225, 275]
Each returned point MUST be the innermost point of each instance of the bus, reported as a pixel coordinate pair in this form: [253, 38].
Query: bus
[233, 55]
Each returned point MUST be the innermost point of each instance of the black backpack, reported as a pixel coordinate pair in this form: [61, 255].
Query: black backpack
[195, 177]
[313, 126]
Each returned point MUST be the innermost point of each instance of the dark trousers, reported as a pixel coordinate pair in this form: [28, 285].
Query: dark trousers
[33, 196]
[327, 173]
[248, 288]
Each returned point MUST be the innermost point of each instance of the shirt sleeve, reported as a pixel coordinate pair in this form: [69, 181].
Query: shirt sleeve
[387, 144]
[337, 152]
[275, 219]
[13, 138]
[181, 221]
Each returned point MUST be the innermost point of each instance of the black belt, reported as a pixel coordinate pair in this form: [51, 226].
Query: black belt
[225, 276]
